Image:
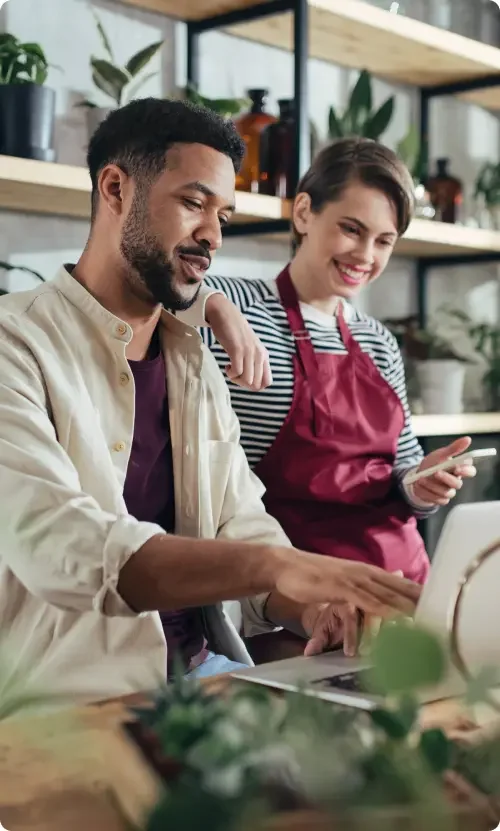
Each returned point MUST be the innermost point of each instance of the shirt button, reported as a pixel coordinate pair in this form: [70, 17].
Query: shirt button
[119, 446]
[124, 379]
[189, 513]
[121, 329]
[187, 450]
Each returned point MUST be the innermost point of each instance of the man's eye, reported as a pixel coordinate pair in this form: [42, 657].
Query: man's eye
[192, 203]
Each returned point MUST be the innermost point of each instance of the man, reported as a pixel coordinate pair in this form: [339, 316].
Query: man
[121, 494]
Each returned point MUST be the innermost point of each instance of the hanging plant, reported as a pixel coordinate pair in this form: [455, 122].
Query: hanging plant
[359, 119]
[119, 83]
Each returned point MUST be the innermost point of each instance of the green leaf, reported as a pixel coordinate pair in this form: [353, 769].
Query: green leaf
[102, 34]
[134, 89]
[379, 121]
[406, 658]
[408, 148]
[360, 102]
[389, 723]
[335, 128]
[142, 58]
[436, 749]
[109, 79]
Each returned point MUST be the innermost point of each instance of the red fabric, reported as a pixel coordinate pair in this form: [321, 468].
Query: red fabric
[329, 473]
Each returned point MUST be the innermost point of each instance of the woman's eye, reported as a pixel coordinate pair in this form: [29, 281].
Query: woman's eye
[350, 229]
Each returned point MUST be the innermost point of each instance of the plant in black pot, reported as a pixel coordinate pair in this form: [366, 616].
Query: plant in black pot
[27, 106]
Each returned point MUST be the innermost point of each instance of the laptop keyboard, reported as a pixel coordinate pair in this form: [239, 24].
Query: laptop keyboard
[349, 681]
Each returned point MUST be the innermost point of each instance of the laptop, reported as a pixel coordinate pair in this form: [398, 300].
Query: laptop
[467, 531]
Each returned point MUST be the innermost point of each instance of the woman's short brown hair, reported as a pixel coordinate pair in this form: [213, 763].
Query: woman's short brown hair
[358, 160]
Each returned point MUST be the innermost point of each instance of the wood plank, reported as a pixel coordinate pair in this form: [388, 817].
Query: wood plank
[44, 187]
[456, 425]
[191, 9]
[57, 189]
[355, 34]
[427, 238]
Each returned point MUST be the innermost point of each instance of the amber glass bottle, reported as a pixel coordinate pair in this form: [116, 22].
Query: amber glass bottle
[277, 154]
[250, 126]
[446, 193]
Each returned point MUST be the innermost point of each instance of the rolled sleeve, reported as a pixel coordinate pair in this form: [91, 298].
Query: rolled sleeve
[56, 539]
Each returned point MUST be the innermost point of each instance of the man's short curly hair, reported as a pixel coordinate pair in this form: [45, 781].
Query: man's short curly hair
[138, 136]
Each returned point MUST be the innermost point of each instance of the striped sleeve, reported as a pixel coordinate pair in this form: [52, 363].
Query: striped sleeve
[409, 452]
[243, 293]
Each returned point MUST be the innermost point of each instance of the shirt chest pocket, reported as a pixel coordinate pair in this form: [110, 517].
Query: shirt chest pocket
[216, 486]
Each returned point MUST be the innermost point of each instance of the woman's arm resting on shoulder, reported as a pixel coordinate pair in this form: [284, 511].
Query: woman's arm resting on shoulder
[248, 358]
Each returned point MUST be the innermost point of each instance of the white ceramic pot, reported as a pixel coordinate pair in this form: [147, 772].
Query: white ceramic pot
[94, 117]
[441, 386]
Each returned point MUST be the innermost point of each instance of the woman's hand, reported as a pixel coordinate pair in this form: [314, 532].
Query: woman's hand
[249, 359]
[442, 487]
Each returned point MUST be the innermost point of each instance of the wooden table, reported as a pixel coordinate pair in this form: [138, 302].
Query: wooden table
[63, 772]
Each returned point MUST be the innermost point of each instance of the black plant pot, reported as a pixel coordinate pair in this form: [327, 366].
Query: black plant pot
[27, 115]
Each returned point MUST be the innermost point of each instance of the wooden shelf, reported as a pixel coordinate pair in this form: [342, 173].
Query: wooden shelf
[426, 238]
[57, 189]
[465, 424]
[357, 35]
[62, 190]
[44, 188]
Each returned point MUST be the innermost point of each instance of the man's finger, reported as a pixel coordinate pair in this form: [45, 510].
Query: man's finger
[315, 645]
[399, 584]
[352, 620]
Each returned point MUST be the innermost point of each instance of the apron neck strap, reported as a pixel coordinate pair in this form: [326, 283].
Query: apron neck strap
[301, 336]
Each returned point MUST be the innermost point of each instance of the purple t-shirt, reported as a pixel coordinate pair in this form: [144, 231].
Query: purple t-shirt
[149, 491]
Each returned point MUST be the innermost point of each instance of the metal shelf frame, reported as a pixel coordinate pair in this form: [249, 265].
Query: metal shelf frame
[427, 94]
[300, 11]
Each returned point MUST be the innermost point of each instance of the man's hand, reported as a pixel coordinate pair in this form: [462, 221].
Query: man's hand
[315, 579]
[328, 626]
[249, 361]
[442, 487]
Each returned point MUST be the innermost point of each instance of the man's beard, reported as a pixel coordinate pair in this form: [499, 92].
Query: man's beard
[153, 273]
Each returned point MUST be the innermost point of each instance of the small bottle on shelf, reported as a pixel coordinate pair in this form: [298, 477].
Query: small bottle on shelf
[250, 126]
[446, 193]
[277, 154]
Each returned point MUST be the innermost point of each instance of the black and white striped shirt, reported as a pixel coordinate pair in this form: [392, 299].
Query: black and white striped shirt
[261, 414]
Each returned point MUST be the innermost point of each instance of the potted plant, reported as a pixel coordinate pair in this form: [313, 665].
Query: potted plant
[359, 118]
[250, 759]
[119, 84]
[27, 106]
[485, 339]
[439, 368]
[487, 192]
[10, 267]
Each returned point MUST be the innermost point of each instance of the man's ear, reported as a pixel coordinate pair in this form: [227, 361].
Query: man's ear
[114, 186]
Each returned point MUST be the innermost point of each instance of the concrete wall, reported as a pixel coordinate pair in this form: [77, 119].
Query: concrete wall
[66, 30]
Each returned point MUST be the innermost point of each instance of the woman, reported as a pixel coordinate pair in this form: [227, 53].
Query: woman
[331, 438]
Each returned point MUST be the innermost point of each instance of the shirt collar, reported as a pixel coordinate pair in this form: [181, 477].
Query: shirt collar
[101, 317]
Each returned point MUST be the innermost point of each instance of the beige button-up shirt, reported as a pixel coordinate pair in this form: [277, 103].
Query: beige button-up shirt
[66, 429]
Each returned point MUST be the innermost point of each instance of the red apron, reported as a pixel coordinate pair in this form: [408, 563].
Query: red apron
[329, 473]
